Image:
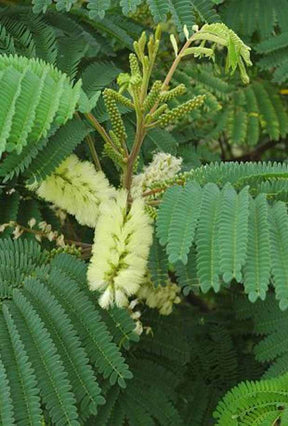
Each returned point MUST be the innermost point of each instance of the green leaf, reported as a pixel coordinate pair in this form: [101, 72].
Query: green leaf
[207, 239]
[233, 232]
[257, 266]
[183, 223]
[279, 250]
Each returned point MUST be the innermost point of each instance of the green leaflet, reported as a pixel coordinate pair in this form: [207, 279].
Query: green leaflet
[270, 323]
[165, 214]
[158, 264]
[233, 232]
[26, 373]
[182, 11]
[52, 377]
[99, 346]
[207, 239]
[187, 274]
[253, 125]
[183, 223]
[247, 17]
[58, 148]
[235, 237]
[98, 8]
[6, 415]
[20, 375]
[68, 344]
[279, 250]
[269, 116]
[47, 356]
[159, 9]
[239, 407]
[120, 324]
[241, 174]
[257, 266]
[129, 6]
[54, 99]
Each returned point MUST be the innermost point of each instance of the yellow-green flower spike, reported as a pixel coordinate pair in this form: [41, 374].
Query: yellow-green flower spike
[159, 111]
[120, 98]
[114, 114]
[115, 156]
[153, 96]
[134, 65]
[175, 114]
[171, 94]
[116, 142]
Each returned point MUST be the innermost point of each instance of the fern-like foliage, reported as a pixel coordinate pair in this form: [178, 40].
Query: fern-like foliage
[52, 338]
[262, 402]
[53, 97]
[237, 236]
[52, 36]
[273, 53]
[261, 16]
[270, 324]
[242, 115]
[199, 363]
[184, 12]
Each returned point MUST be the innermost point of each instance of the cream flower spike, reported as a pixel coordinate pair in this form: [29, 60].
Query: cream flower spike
[120, 250]
[77, 188]
[163, 166]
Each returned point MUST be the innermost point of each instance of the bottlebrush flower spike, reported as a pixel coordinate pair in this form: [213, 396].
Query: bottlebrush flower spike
[120, 250]
[78, 188]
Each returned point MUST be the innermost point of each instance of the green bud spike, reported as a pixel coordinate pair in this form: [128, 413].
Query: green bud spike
[142, 41]
[114, 114]
[146, 62]
[158, 32]
[136, 164]
[159, 111]
[134, 65]
[114, 155]
[153, 96]
[151, 46]
[139, 46]
[116, 142]
[120, 98]
[136, 49]
[171, 94]
[136, 80]
[175, 114]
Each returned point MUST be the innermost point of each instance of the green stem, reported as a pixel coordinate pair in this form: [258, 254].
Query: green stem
[100, 129]
[173, 69]
[93, 151]
[139, 138]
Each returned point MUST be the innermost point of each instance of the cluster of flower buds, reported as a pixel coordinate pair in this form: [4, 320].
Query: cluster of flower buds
[43, 231]
[153, 95]
[134, 65]
[177, 113]
[114, 115]
[162, 298]
[173, 93]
